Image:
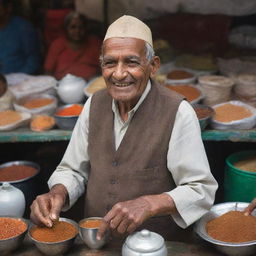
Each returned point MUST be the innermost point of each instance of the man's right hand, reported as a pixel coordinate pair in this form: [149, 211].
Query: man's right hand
[46, 208]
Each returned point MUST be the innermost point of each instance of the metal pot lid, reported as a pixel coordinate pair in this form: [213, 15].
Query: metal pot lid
[145, 241]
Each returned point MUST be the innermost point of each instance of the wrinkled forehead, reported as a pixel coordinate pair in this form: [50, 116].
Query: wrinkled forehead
[124, 45]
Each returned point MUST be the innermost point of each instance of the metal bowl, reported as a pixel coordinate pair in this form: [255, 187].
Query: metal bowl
[66, 122]
[232, 249]
[29, 185]
[55, 248]
[205, 120]
[88, 235]
[10, 244]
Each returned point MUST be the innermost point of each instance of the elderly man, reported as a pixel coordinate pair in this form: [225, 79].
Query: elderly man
[136, 147]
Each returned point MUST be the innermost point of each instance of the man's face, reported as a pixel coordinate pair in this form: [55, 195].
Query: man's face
[76, 30]
[125, 68]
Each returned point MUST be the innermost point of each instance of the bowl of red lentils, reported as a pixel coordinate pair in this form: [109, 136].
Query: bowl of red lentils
[56, 240]
[204, 114]
[12, 233]
[180, 76]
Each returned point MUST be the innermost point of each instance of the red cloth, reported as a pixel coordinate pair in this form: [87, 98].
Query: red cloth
[62, 59]
[53, 24]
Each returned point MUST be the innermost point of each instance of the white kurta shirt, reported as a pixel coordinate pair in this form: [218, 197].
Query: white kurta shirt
[186, 160]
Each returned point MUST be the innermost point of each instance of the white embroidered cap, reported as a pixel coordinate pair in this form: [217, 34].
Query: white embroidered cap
[129, 26]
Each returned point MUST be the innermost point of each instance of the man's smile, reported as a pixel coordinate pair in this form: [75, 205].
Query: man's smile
[119, 84]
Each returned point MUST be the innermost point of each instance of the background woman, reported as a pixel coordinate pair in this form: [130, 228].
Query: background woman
[77, 53]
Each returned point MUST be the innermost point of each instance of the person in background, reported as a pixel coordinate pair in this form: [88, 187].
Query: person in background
[19, 43]
[248, 210]
[136, 147]
[77, 53]
[6, 96]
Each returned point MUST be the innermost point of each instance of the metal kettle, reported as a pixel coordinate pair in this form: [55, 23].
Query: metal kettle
[144, 243]
[12, 201]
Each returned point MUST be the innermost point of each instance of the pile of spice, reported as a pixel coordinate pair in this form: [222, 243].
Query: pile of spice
[248, 164]
[9, 117]
[16, 172]
[191, 93]
[179, 74]
[203, 112]
[11, 227]
[95, 85]
[37, 103]
[73, 110]
[229, 112]
[60, 231]
[91, 223]
[42, 123]
[233, 227]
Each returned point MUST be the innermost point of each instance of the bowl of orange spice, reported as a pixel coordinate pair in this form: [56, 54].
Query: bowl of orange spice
[42, 104]
[55, 240]
[67, 115]
[88, 229]
[228, 229]
[12, 233]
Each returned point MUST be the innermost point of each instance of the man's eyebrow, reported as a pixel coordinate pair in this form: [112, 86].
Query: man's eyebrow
[132, 57]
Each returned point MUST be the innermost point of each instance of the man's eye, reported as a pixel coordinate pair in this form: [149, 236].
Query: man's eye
[133, 63]
[108, 63]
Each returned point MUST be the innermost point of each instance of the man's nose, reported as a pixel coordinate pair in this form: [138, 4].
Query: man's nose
[120, 72]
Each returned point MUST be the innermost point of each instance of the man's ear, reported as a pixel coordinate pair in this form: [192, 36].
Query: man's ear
[155, 64]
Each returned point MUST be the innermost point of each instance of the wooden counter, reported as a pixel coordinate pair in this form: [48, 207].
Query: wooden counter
[25, 135]
[80, 249]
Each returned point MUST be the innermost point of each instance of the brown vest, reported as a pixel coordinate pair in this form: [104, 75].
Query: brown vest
[139, 166]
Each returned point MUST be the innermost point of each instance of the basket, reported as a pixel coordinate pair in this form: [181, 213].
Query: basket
[216, 89]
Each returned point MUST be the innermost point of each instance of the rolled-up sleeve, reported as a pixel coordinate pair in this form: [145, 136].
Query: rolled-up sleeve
[188, 164]
[72, 172]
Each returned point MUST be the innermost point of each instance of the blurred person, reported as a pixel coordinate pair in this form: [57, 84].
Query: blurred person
[6, 96]
[19, 43]
[77, 53]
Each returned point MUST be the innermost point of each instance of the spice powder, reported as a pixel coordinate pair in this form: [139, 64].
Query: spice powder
[37, 103]
[60, 231]
[16, 172]
[191, 93]
[230, 112]
[248, 164]
[233, 227]
[93, 223]
[9, 117]
[11, 227]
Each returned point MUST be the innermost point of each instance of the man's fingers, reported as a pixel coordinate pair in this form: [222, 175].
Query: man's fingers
[103, 228]
[37, 217]
[56, 206]
[249, 209]
[131, 228]
[122, 227]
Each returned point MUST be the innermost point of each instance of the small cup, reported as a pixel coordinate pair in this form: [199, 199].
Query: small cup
[88, 233]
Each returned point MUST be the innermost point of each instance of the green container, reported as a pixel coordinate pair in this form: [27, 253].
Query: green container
[239, 185]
